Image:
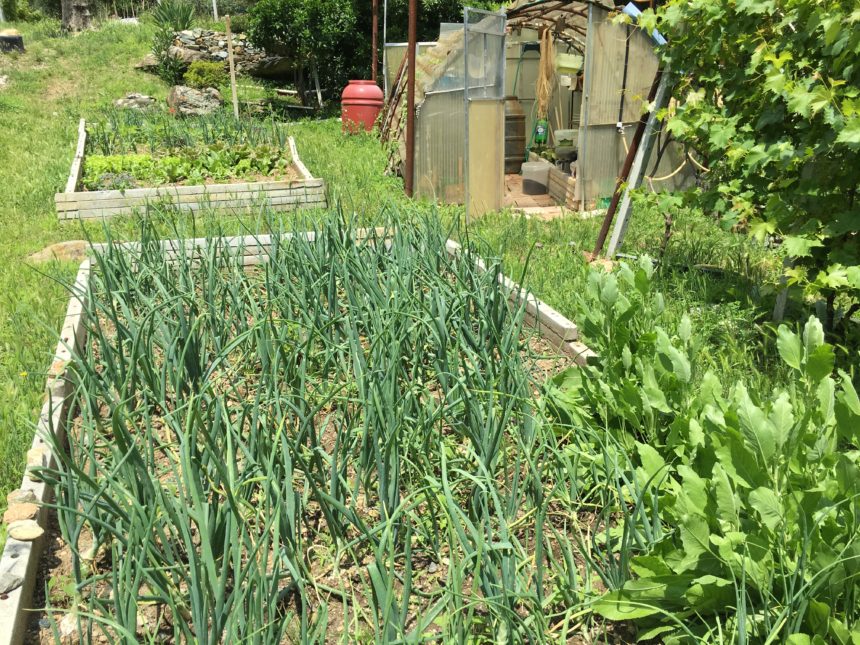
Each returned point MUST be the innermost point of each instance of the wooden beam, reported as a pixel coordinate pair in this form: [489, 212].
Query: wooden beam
[77, 162]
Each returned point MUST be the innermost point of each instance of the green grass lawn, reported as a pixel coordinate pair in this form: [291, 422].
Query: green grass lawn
[56, 81]
[60, 79]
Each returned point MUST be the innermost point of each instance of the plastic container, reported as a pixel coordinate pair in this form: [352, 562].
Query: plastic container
[535, 177]
[569, 64]
[361, 103]
[566, 137]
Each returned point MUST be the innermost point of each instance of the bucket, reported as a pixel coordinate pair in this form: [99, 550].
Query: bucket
[535, 177]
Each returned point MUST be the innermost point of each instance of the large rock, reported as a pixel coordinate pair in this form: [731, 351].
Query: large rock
[135, 102]
[148, 64]
[70, 251]
[185, 55]
[188, 101]
[272, 67]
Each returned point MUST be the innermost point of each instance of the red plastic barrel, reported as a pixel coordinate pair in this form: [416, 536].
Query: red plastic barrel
[361, 103]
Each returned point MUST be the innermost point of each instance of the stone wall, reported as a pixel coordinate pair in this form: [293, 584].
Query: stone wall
[202, 44]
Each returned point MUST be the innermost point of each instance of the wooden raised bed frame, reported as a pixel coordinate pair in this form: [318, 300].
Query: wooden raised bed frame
[20, 560]
[308, 192]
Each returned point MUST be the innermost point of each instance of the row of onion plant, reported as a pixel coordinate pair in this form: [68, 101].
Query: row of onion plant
[117, 131]
[346, 441]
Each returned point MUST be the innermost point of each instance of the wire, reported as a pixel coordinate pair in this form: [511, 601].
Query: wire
[696, 163]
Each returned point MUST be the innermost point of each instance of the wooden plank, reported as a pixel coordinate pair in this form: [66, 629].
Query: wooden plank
[297, 162]
[535, 308]
[77, 162]
[170, 191]
[135, 202]
[316, 201]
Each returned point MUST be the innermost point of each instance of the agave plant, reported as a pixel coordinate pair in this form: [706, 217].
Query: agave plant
[174, 15]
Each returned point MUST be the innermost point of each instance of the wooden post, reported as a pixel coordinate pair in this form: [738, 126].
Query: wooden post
[215, 9]
[317, 84]
[232, 68]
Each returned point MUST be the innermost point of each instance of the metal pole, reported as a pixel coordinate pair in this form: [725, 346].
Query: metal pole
[384, 46]
[625, 170]
[466, 110]
[409, 179]
[638, 171]
[582, 160]
[374, 64]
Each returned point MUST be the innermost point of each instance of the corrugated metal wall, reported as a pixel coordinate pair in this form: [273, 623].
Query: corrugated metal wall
[601, 147]
[440, 147]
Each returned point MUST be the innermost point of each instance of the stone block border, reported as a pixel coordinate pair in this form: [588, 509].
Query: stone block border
[19, 560]
[308, 192]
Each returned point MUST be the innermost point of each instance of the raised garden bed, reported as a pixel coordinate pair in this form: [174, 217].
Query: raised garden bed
[329, 432]
[293, 188]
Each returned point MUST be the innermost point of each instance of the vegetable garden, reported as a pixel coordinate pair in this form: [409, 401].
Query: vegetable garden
[222, 162]
[129, 150]
[361, 438]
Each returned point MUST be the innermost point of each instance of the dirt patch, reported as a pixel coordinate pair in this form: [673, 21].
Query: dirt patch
[60, 88]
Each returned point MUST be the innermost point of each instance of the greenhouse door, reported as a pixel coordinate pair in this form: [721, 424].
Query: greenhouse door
[484, 97]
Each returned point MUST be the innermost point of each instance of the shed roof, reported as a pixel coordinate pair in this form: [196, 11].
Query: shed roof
[567, 18]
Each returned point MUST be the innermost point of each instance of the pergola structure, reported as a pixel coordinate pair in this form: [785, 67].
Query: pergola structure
[568, 19]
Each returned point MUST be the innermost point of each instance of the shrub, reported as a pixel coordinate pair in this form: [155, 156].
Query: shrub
[239, 23]
[10, 9]
[768, 95]
[174, 15]
[205, 74]
[170, 68]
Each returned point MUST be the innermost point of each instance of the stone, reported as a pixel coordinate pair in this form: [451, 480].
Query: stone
[135, 102]
[198, 44]
[188, 101]
[129, 21]
[36, 458]
[4, 81]
[71, 251]
[21, 497]
[9, 582]
[20, 512]
[271, 67]
[185, 55]
[26, 531]
[149, 63]
[68, 626]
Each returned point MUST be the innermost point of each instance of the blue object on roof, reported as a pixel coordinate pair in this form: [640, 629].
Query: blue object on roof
[634, 12]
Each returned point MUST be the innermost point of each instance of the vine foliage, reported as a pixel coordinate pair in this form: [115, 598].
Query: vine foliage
[769, 92]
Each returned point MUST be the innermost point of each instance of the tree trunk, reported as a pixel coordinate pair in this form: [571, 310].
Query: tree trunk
[76, 14]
